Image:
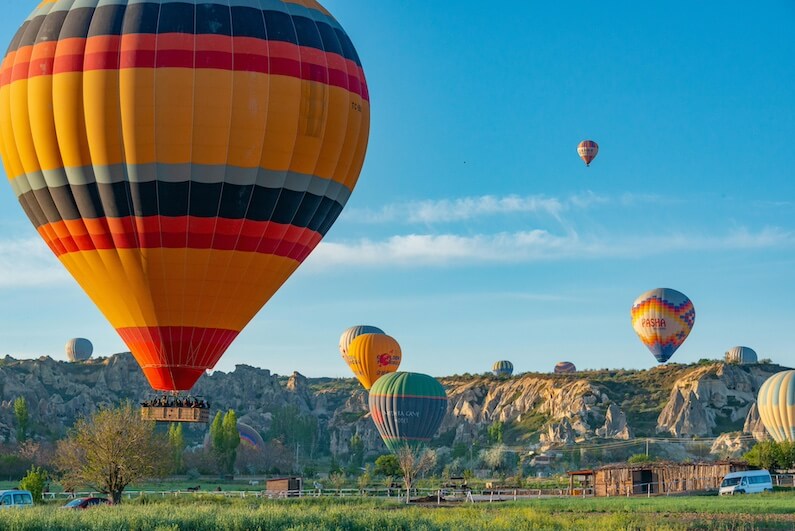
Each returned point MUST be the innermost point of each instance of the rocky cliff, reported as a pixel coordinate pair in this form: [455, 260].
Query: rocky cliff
[539, 410]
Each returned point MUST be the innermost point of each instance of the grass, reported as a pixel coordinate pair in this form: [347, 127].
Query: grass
[775, 511]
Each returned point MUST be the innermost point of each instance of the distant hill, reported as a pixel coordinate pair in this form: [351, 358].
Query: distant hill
[542, 411]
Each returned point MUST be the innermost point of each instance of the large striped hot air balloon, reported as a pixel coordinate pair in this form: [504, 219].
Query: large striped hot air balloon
[741, 356]
[182, 159]
[502, 368]
[663, 318]
[407, 408]
[370, 356]
[352, 333]
[776, 404]
[78, 349]
[587, 150]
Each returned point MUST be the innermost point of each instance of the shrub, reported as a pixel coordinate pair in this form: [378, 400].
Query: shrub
[34, 482]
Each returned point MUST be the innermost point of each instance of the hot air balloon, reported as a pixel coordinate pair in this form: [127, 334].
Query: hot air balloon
[352, 333]
[78, 349]
[587, 150]
[776, 404]
[565, 367]
[663, 318]
[407, 408]
[741, 356]
[182, 159]
[370, 356]
[502, 368]
[250, 437]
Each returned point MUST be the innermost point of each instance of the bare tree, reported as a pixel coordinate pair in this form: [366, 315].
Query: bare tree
[110, 450]
[414, 462]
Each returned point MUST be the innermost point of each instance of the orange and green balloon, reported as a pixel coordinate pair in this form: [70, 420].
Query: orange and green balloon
[182, 159]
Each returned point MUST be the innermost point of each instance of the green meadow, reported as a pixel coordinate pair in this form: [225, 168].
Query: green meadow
[208, 512]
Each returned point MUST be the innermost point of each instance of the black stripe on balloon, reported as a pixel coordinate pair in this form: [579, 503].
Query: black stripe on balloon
[228, 201]
[203, 19]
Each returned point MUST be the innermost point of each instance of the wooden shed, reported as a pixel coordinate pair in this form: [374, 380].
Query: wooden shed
[653, 478]
[283, 486]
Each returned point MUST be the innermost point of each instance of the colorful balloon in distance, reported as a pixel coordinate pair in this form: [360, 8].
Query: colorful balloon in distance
[663, 318]
[78, 349]
[741, 356]
[182, 159]
[776, 404]
[352, 333]
[370, 356]
[565, 367]
[502, 368]
[587, 150]
[407, 409]
[250, 437]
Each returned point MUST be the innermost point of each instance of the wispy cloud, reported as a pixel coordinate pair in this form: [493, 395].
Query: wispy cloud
[449, 210]
[431, 211]
[530, 246]
[28, 262]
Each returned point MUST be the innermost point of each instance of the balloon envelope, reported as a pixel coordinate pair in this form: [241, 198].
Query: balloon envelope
[370, 356]
[587, 150]
[78, 349]
[564, 367]
[741, 356]
[352, 333]
[663, 318]
[776, 404]
[407, 408]
[182, 159]
[502, 368]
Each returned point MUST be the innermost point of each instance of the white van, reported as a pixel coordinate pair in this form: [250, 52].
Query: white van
[15, 498]
[748, 482]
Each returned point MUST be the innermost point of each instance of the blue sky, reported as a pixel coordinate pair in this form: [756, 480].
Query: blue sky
[477, 234]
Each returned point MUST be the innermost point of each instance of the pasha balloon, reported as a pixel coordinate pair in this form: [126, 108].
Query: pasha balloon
[776, 404]
[407, 408]
[502, 368]
[78, 349]
[663, 318]
[587, 150]
[352, 333]
[565, 367]
[370, 356]
[182, 159]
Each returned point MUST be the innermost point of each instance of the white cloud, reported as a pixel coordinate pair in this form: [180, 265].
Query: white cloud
[530, 246]
[28, 262]
[448, 210]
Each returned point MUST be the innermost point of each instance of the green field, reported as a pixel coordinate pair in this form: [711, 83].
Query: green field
[774, 511]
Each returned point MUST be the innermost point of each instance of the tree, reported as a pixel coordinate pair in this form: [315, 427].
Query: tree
[494, 458]
[110, 450]
[414, 462]
[772, 455]
[387, 465]
[176, 442]
[363, 481]
[294, 429]
[495, 432]
[638, 459]
[22, 417]
[356, 451]
[225, 438]
[34, 482]
[337, 479]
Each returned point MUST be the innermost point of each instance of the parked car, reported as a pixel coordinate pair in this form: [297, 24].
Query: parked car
[15, 498]
[85, 503]
[747, 482]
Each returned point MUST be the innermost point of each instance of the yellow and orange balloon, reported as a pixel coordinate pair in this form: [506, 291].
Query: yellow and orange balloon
[182, 159]
[371, 356]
